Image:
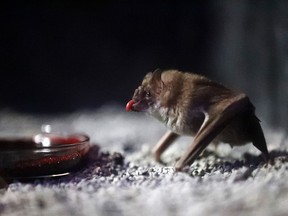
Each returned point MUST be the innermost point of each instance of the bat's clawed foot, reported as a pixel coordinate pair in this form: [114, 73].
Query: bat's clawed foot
[267, 159]
[156, 155]
[270, 161]
[180, 166]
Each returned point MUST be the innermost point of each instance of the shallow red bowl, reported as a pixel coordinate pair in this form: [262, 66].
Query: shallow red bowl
[43, 155]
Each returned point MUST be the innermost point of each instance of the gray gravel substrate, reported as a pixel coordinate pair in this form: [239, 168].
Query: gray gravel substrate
[223, 181]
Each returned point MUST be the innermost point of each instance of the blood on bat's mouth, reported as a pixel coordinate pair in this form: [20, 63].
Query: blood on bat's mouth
[129, 105]
[136, 106]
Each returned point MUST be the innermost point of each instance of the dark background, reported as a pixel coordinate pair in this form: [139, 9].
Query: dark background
[59, 56]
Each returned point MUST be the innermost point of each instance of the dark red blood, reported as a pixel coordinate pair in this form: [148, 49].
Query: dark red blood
[48, 165]
[129, 105]
[64, 140]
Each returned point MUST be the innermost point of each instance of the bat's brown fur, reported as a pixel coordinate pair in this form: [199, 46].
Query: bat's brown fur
[190, 104]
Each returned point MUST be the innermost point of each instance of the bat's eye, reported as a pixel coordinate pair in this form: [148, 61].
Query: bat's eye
[147, 94]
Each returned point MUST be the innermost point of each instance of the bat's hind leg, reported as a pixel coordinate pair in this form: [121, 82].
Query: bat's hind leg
[167, 139]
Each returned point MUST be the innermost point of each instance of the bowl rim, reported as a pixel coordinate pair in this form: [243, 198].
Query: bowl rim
[24, 143]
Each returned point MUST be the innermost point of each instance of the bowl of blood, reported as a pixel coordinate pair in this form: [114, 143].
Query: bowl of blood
[42, 155]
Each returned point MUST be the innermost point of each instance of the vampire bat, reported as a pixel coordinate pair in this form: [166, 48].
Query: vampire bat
[191, 104]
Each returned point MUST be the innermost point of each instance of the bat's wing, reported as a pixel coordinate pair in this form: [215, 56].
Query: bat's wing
[257, 136]
[217, 119]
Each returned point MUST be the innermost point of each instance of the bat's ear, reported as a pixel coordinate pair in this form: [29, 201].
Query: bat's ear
[148, 76]
[157, 74]
[156, 78]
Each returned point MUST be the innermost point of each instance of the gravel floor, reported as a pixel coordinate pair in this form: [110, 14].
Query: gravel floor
[121, 177]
